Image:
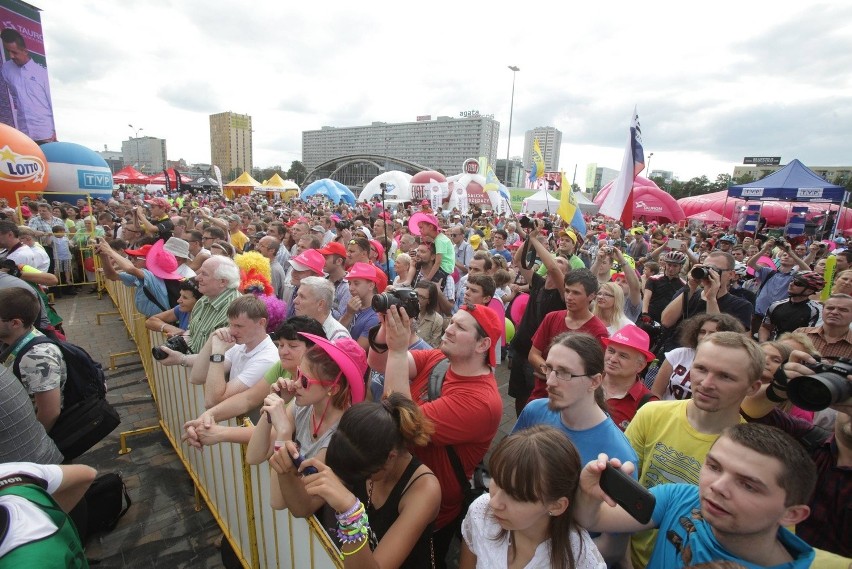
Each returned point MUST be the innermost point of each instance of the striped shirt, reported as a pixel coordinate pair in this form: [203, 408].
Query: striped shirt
[207, 316]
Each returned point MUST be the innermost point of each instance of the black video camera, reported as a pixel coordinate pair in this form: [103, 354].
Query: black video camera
[175, 343]
[403, 297]
[825, 388]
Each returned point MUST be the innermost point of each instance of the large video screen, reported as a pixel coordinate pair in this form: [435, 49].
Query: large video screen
[25, 101]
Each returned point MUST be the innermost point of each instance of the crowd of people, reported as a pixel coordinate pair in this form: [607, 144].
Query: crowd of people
[364, 344]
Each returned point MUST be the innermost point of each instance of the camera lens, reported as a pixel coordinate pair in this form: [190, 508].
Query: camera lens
[381, 302]
[818, 392]
[699, 273]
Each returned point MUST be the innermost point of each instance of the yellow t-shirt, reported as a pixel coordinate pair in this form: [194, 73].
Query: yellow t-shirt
[670, 451]
[239, 240]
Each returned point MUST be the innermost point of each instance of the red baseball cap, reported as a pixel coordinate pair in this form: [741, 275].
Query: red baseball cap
[378, 247]
[490, 323]
[334, 248]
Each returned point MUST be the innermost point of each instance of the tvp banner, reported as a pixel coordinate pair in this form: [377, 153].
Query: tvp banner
[25, 102]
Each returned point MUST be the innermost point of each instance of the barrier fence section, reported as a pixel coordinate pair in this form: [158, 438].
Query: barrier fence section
[236, 493]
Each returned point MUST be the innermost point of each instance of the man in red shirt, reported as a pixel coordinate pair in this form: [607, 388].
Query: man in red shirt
[625, 357]
[581, 286]
[467, 413]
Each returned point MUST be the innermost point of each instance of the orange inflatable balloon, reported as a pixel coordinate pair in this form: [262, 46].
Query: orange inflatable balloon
[23, 167]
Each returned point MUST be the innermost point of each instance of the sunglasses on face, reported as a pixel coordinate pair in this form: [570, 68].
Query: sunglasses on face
[305, 381]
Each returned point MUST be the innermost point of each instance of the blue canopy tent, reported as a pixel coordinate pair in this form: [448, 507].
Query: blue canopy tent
[795, 182]
[332, 189]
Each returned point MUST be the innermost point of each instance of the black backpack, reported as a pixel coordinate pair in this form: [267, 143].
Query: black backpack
[85, 377]
[86, 416]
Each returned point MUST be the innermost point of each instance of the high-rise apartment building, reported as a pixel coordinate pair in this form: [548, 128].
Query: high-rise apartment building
[146, 153]
[231, 143]
[550, 141]
[441, 144]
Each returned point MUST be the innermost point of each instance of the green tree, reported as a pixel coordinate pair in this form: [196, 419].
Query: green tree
[297, 172]
[722, 182]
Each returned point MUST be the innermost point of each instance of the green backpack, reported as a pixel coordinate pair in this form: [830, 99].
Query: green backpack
[58, 550]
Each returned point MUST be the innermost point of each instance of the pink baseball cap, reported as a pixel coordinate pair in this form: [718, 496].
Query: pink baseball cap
[350, 357]
[370, 273]
[309, 260]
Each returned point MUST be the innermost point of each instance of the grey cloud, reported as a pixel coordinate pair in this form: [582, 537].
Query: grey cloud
[75, 58]
[190, 96]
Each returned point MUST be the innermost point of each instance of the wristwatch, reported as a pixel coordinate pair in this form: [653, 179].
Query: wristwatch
[217, 358]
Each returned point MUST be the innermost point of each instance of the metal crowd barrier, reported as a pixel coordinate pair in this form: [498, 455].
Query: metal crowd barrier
[236, 493]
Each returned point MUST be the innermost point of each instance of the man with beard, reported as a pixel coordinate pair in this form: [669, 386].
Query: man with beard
[574, 372]
[672, 438]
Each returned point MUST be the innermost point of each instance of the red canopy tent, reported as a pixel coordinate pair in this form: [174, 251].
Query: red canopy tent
[649, 201]
[130, 175]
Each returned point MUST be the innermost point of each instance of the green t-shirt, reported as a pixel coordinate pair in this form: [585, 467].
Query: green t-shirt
[444, 247]
[276, 371]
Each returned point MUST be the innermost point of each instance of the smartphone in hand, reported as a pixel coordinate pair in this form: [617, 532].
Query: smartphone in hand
[628, 493]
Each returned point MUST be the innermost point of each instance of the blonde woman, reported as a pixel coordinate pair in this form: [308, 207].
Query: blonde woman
[609, 307]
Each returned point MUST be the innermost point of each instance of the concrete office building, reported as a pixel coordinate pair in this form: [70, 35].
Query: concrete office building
[113, 158]
[231, 144]
[145, 153]
[440, 144]
[550, 141]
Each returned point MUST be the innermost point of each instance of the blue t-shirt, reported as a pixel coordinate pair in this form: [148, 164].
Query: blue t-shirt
[677, 514]
[603, 437]
[504, 253]
[774, 289]
[155, 285]
[365, 319]
[182, 318]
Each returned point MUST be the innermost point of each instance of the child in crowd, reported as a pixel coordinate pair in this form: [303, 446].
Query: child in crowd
[62, 255]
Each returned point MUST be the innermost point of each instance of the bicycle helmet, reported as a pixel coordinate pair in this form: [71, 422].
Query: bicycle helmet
[675, 257]
[740, 268]
[810, 279]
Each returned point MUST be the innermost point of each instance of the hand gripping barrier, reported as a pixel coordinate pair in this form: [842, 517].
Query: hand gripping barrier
[236, 493]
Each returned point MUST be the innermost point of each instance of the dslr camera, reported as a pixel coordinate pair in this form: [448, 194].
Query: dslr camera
[405, 298]
[175, 343]
[701, 273]
[825, 388]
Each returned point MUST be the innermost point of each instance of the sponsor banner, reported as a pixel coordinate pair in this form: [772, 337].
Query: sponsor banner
[762, 160]
[25, 101]
[752, 192]
[809, 193]
[94, 180]
[20, 168]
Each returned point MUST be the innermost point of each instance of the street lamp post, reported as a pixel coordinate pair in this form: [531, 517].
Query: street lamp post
[514, 69]
[651, 155]
[136, 137]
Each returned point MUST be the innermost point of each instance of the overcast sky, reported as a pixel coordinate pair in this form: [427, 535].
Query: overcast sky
[713, 81]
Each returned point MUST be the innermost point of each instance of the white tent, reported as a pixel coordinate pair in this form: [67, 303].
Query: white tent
[397, 184]
[541, 201]
[585, 204]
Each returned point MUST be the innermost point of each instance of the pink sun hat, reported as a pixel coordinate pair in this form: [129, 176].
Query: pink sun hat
[161, 263]
[421, 217]
[350, 357]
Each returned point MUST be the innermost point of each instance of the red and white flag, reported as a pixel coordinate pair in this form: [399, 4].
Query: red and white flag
[619, 201]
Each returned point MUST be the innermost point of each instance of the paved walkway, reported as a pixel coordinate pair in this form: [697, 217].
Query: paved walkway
[162, 528]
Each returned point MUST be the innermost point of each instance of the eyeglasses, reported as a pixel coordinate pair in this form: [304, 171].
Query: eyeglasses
[606, 294]
[306, 381]
[207, 238]
[560, 374]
